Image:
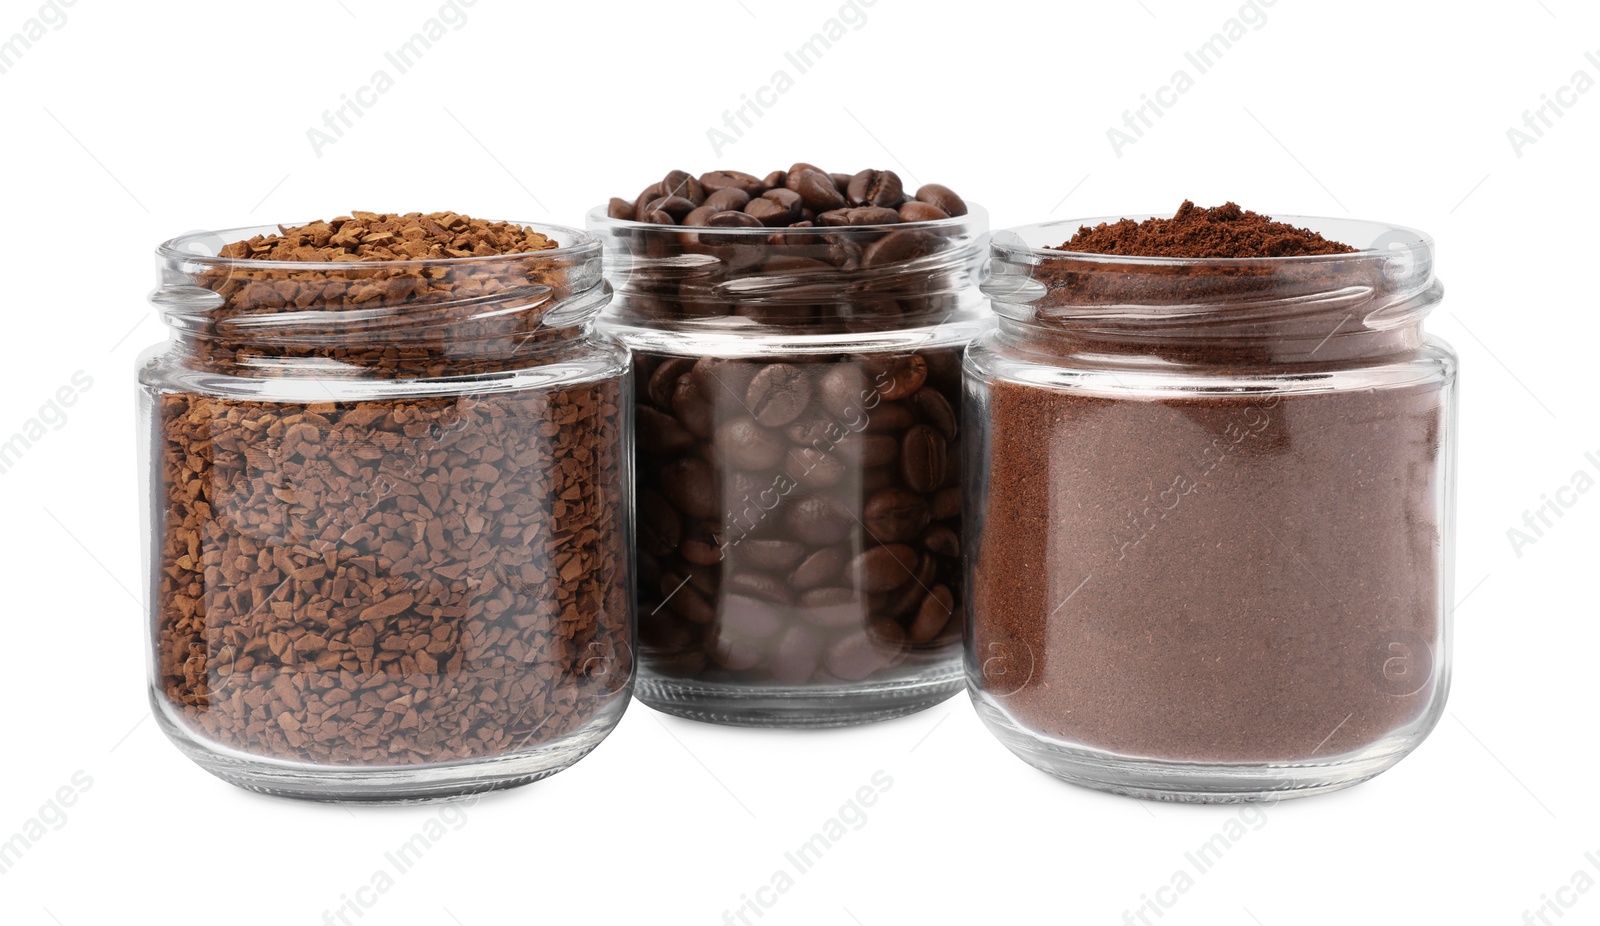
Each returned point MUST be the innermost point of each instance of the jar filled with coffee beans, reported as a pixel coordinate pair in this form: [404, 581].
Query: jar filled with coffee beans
[797, 340]
[387, 483]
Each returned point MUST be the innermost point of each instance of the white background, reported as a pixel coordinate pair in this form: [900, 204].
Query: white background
[136, 121]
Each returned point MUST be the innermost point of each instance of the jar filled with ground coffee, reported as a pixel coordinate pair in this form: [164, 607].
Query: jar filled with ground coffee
[1211, 514]
[387, 485]
[798, 341]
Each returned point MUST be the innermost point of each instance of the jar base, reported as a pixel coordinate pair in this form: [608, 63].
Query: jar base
[1194, 782]
[394, 784]
[805, 707]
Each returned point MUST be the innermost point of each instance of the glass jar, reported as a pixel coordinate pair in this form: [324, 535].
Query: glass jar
[389, 552]
[799, 501]
[1211, 514]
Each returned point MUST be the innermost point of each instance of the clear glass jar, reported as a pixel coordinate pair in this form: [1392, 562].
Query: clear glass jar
[388, 544]
[799, 478]
[1210, 518]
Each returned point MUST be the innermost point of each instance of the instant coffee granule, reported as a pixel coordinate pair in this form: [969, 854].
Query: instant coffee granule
[388, 581]
[1219, 578]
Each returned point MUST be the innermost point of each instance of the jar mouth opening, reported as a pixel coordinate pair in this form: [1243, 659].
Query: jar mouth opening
[976, 217]
[1372, 240]
[203, 247]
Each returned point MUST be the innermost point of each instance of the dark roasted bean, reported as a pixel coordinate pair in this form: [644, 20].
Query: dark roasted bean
[619, 208]
[943, 197]
[778, 394]
[715, 180]
[922, 458]
[859, 215]
[913, 211]
[816, 190]
[876, 188]
[729, 199]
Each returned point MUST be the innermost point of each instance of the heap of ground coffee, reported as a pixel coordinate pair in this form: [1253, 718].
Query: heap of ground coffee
[1209, 512]
[423, 573]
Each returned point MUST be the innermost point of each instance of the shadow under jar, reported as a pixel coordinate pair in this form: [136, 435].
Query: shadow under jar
[799, 498]
[1210, 518]
[388, 550]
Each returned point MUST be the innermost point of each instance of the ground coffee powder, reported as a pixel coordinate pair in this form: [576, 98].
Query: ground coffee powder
[1238, 576]
[388, 581]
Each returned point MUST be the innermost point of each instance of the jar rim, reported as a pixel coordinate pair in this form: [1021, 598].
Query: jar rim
[599, 221]
[572, 244]
[1379, 240]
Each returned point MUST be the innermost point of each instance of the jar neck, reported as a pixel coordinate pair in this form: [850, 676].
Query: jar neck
[382, 319]
[827, 280]
[1306, 312]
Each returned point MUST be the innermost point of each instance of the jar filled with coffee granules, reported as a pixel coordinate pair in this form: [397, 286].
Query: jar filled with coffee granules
[387, 483]
[798, 341]
[1211, 515]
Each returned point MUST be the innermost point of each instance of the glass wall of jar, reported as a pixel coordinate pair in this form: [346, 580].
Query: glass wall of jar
[388, 546]
[1209, 531]
[799, 475]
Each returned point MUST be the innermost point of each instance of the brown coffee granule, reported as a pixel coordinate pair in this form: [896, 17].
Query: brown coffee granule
[389, 581]
[1194, 231]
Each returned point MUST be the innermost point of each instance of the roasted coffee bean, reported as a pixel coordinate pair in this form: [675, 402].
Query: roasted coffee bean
[895, 376]
[894, 515]
[870, 450]
[935, 411]
[844, 392]
[683, 184]
[725, 380]
[761, 586]
[890, 416]
[768, 555]
[737, 655]
[658, 217]
[859, 215]
[619, 208]
[943, 197]
[813, 468]
[841, 182]
[816, 190]
[833, 607]
[876, 188]
[694, 409]
[698, 217]
[897, 247]
[821, 433]
[774, 180]
[769, 212]
[935, 612]
[913, 211]
[882, 569]
[922, 458]
[796, 655]
[746, 618]
[702, 543]
[713, 181]
[684, 601]
[665, 378]
[942, 540]
[946, 503]
[854, 657]
[689, 484]
[748, 445]
[725, 200]
[819, 520]
[733, 220]
[823, 567]
[653, 191]
[659, 433]
[660, 528]
[778, 394]
[675, 206]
